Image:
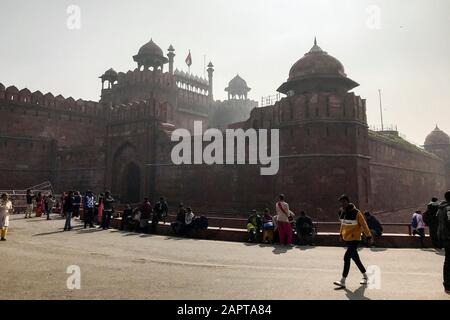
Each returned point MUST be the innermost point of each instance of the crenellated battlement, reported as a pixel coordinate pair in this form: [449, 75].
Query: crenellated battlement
[311, 107]
[137, 78]
[190, 82]
[37, 99]
[141, 110]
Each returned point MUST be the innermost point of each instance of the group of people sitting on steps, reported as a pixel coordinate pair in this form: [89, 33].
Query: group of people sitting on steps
[145, 218]
[282, 227]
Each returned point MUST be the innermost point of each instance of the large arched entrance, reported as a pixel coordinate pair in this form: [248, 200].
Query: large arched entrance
[132, 183]
[127, 174]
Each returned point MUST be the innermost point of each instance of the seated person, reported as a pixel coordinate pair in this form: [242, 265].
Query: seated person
[253, 226]
[375, 228]
[305, 229]
[146, 214]
[188, 220]
[178, 225]
[127, 217]
[268, 226]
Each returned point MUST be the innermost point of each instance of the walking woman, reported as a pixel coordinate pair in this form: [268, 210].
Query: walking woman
[285, 218]
[352, 225]
[6, 209]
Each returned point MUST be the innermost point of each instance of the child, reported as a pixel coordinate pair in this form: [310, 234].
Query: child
[253, 226]
[268, 227]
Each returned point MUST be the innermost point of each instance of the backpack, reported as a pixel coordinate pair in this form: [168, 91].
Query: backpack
[414, 222]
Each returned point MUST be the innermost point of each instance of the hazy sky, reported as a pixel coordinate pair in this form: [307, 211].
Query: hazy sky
[406, 53]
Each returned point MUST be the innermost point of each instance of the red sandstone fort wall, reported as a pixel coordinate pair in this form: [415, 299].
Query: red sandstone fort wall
[37, 129]
[25, 162]
[402, 175]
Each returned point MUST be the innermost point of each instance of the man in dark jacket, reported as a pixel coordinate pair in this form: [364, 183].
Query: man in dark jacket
[88, 206]
[68, 209]
[160, 211]
[443, 232]
[178, 225]
[146, 214]
[108, 210]
[431, 220]
[375, 228]
[305, 229]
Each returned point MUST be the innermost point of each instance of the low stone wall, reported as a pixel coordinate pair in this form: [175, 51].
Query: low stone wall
[322, 239]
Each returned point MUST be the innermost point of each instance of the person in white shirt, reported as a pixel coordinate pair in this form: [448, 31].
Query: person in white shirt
[6, 209]
[285, 218]
[189, 217]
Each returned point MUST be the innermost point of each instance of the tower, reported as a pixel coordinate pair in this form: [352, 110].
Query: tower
[210, 71]
[323, 135]
[171, 56]
[438, 142]
[236, 109]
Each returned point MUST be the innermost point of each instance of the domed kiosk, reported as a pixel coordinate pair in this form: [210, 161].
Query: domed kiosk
[237, 88]
[317, 71]
[150, 55]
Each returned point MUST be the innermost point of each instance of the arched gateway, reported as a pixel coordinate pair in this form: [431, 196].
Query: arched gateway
[127, 174]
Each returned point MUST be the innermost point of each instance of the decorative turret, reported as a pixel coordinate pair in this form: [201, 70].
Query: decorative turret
[210, 79]
[171, 56]
[110, 77]
[150, 56]
[237, 88]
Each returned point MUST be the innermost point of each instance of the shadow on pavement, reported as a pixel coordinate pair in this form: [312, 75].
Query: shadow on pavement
[439, 252]
[74, 228]
[374, 249]
[89, 230]
[304, 248]
[279, 249]
[358, 294]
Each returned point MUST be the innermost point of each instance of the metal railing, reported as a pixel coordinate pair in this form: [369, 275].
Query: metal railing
[269, 100]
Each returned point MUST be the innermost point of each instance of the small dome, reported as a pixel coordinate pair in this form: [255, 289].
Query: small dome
[150, 55]
[237, 86]
[237, 83]
[2, 87]
[437, 137]
[111, 73]
[152, 49]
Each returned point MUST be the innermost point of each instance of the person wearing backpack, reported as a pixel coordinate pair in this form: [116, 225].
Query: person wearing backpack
[431, 220]
[418, 226]
[443, 232]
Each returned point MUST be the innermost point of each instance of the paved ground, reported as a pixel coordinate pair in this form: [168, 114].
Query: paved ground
[118, 265]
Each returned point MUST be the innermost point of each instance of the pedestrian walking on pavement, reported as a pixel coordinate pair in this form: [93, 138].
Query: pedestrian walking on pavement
[352, 225]
[443, 233]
